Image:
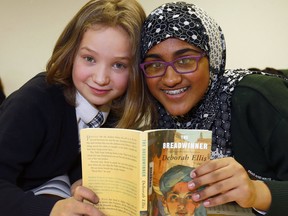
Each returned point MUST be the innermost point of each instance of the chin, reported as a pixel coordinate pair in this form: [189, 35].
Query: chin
[179, 110]
[176, 113]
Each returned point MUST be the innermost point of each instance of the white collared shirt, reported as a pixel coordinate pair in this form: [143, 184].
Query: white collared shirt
[85, 111]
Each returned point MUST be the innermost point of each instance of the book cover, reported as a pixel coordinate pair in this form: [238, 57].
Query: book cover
[173, 154]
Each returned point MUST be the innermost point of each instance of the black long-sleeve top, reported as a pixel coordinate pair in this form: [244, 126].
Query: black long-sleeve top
[38, 141]
[260, 134]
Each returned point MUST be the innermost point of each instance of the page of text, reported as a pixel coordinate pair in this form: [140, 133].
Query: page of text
[111, 168]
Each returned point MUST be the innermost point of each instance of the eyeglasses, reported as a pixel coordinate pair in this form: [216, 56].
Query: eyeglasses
[182, 65]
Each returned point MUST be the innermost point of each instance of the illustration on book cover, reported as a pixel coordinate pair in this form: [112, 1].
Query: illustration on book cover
[172, 155]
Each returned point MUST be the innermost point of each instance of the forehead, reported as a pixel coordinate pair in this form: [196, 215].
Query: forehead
[107, 38]
[180, 187]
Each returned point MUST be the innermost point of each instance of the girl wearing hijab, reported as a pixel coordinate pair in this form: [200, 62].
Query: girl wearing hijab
[183, 59]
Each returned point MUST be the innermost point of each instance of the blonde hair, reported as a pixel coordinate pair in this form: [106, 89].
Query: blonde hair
[129, 110]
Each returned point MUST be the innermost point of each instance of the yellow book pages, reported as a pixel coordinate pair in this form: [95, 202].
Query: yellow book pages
[110, 162]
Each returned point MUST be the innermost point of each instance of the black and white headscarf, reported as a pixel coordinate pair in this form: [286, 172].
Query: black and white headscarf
[190, 23]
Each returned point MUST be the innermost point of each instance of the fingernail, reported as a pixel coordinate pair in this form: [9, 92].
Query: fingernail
[191, 185]
[196, 197]
[193, 175]
[206, 203]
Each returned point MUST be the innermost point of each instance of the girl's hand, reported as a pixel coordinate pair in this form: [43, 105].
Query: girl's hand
[75, 185]
[75, 206]
[225, 180]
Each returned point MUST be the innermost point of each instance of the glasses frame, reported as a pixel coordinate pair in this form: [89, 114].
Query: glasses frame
[171, 63]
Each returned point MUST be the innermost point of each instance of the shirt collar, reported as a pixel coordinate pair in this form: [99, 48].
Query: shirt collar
[85, 111]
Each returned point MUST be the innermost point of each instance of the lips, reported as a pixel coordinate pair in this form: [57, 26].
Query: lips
[175, 91]
[181, 213]
[99, 91]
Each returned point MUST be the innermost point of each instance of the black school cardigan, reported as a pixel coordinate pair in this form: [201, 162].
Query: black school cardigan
[38, 141]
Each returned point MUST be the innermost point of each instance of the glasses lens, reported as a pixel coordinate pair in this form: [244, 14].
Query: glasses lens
[154, 69]
[186, 64]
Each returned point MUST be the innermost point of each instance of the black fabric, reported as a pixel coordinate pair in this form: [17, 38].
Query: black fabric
[260, 134]
[38, 141]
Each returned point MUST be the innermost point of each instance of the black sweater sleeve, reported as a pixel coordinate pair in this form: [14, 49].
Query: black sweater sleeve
[38, 141]
[260, 134]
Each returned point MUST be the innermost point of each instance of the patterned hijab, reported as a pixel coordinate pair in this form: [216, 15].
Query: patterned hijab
[190, 23]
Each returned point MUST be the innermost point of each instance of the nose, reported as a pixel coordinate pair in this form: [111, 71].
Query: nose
[171, 77]
[181, 204]
[101, 75]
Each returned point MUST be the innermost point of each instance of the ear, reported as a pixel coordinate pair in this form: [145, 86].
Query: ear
[164, 203]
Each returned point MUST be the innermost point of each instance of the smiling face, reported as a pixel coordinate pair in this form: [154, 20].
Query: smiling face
[178, 93]
[102, 64]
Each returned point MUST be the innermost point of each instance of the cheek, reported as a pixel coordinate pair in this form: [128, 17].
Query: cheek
[204, 76]
[75, 77]
[190, 207]
[121, 81]
[78, 73]
[201, 80]
[151, 84]
[172, 206]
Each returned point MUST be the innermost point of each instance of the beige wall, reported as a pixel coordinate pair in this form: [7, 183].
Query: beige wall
[255, 30]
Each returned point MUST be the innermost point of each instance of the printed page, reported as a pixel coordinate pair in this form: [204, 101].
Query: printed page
[229, 209]
[110, 161]
[173, 154]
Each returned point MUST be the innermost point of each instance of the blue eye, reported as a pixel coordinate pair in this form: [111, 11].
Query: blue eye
[119, 66]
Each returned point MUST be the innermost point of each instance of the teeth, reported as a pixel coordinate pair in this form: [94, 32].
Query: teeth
[175, 92]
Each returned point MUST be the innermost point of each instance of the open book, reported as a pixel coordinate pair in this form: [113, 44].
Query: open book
[143, 173]
[146, 173]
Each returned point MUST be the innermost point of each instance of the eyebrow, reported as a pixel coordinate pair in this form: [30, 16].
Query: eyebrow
[179, 52]
[93, 51]
[175, 54]
[87, 48]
